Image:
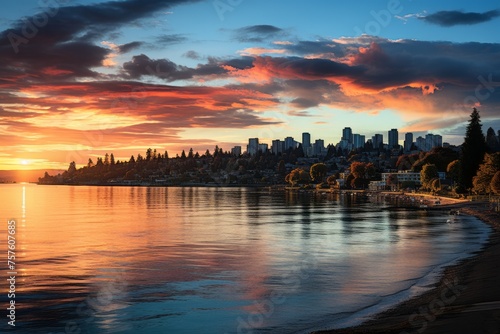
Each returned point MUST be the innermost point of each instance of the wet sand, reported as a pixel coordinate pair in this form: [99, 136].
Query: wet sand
[465, 300]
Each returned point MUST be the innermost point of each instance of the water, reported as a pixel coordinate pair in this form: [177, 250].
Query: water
[215, 260]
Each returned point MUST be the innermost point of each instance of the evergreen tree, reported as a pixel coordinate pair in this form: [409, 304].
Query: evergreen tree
[90, 163]
[281, 167]
[72, 168]
[132, 160]
[112, 159]
[491, 140]
[106, 159]
[183, 155]
[473, 150]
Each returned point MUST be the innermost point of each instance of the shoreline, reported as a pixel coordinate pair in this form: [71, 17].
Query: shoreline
[466, 298]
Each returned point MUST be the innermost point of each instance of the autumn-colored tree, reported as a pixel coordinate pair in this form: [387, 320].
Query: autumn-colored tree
[435, 184]
[370, 171]
[358, 169]
[318, 171]
[482, 181]
[298, 176]
[332, 180]
[495, 183]
[359, 183]
[453, 170]
[428, 173]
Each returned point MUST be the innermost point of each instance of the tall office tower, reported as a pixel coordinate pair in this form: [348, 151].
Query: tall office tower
[393, 138]
[377, 140]
[306, 142]
[420, 143]
[277, 147]
[408, 141]
[253, 146]
[358, 141]
[318, 147]
[437, 141]
[347, 135]
[289, 143]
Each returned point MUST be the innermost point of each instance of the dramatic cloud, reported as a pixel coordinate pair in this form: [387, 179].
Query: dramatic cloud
[454, 17]
[124, 48]
[64, 42]
[258, 33]
[165, 69]
[55, 90]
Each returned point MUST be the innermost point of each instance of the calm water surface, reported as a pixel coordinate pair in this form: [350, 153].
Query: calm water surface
[214, 260]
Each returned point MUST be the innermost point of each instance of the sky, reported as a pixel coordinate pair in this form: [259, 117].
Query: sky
[79, 79]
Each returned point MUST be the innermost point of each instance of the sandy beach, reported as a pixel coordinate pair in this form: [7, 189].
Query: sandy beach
[465, 300]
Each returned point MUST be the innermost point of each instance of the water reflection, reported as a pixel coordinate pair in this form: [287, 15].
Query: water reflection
[187, 260]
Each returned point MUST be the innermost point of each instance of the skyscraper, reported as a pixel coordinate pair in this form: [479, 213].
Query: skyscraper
[289, 143]
[347, 135]
[306, 142]
[277, 147]
[437, 141]
[408, 141]
[318, 147]
[358, 141]
[393, 138]
[253, 146]
[377, 140]
[420, 143]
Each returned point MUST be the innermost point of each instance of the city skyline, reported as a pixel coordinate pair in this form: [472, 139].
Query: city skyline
[348, 141]
[182, 74]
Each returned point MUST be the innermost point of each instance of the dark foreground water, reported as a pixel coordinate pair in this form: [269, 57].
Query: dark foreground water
[214, 260]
